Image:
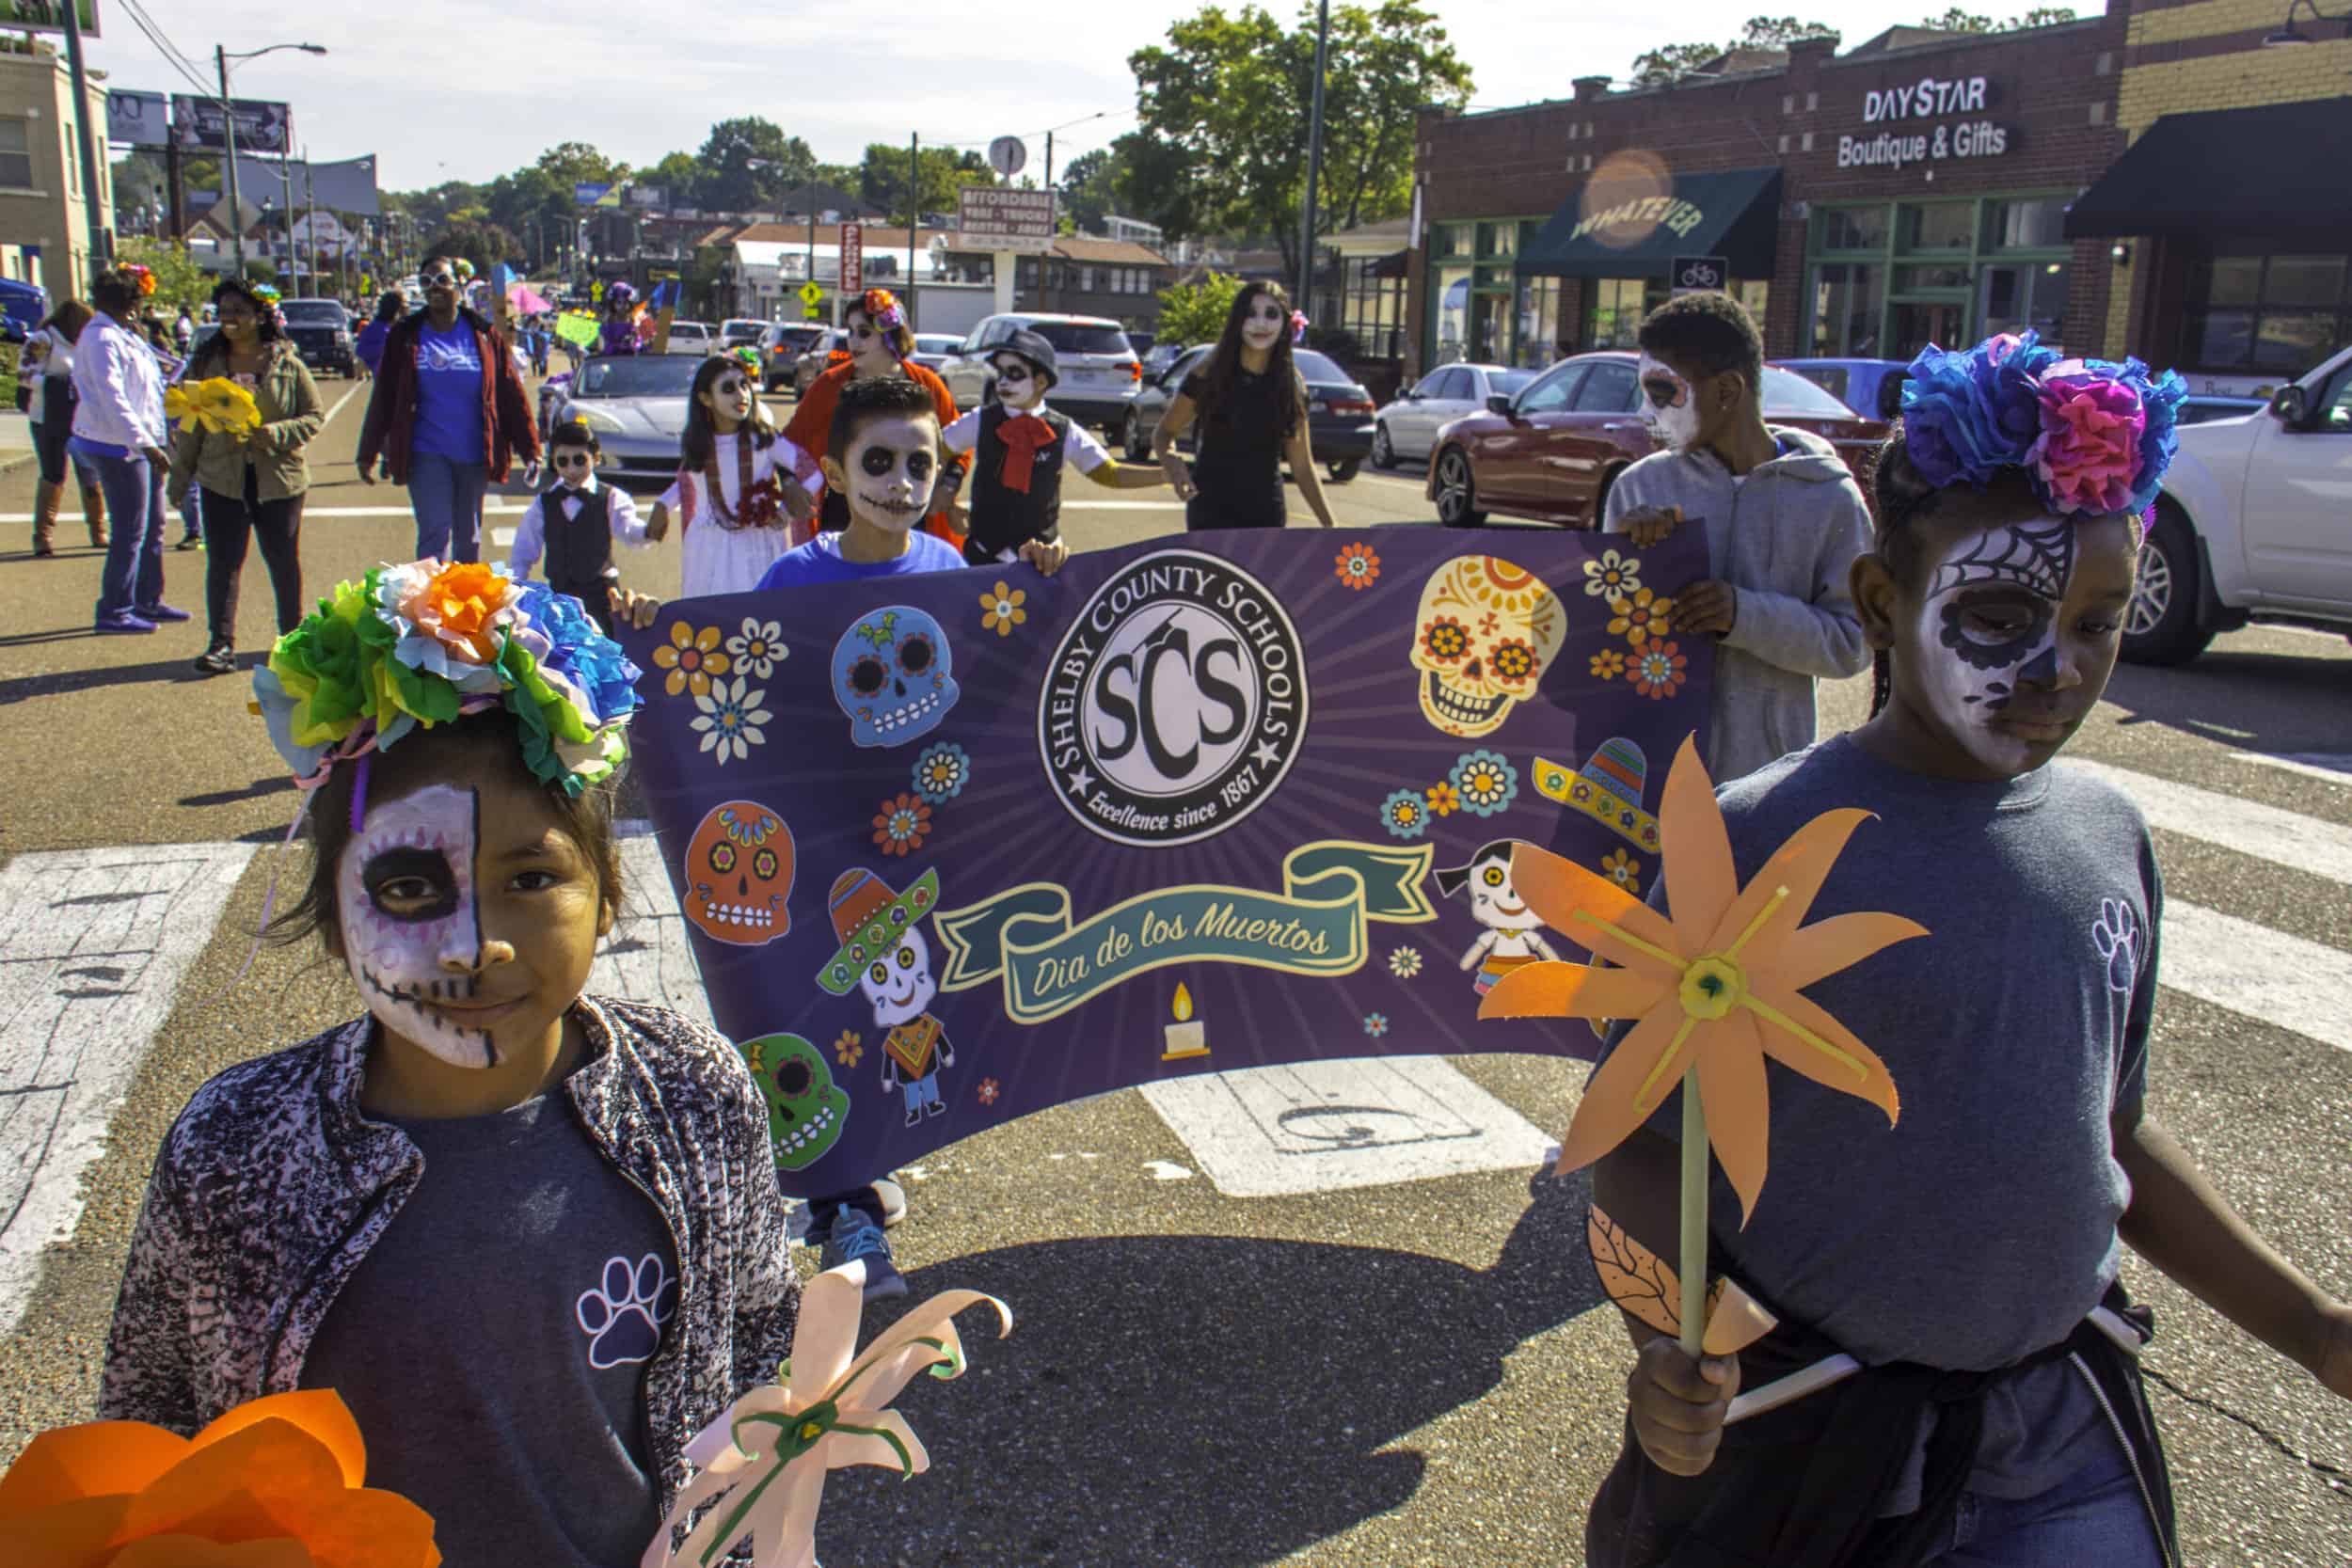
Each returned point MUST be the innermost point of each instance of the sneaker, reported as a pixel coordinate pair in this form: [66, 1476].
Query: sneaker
[894, 1208]
[164, 612]
[218, 659]
[189, 541]
[120, 623]
[856, 1238]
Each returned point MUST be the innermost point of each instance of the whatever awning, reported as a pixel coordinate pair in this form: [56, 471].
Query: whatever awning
[2266, 174]
[1635, 227]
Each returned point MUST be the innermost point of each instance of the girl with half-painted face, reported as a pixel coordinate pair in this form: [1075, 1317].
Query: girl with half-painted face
[1250, 409]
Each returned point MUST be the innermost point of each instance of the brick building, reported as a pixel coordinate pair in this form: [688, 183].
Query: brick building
[1915, 187]
[1082, 275]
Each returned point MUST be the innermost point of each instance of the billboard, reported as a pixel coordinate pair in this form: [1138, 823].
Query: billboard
[346, 184]
[648, 195]
[262, 127]
[47, 16]
[137, 118]
[587, 194]
[994, 218]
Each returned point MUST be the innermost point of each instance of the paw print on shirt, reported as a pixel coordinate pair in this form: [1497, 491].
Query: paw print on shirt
[2116, 934]
[623, 1316]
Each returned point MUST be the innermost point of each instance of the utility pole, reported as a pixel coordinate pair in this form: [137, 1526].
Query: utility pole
[90, 166]
[915, 215]
[310, 203]
[1303, 298]
[229, 154]
[1049, 160]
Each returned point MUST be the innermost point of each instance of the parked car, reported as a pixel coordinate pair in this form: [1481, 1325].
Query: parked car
[22, 307]
[2250, 525]
[636, 403]
[694, 337]
[320, 332]
[1873, 388]
[1158, 357]
[817, 356]
[740, 332]
[2205, 407]
[931, 350]
[1339, 411]
[1098, 372]
[1142, 341]
[1408, 427]
[779, 350]
[1550, 451]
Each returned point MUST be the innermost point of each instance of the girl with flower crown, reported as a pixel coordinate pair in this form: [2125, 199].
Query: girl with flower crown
[530, 1236]
[880, 342]
[1952, 1378]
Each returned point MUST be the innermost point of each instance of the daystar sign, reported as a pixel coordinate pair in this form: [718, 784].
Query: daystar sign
[1928, 96]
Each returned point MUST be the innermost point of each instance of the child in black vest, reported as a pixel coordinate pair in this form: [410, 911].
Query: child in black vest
[1020, 448]
[571, 525]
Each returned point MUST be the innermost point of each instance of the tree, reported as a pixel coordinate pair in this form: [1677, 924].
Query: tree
[1090, 190]
[881, 178]
[1194, 312]
[1156, 182]
[179, 281]
[680, 174]
[749, 164]
[1958, 21]
[482, 243]
[576, 161]
[1663, 66]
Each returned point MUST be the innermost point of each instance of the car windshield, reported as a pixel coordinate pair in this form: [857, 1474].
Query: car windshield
[1317, 367]
[311, 313]
[1787, 392]
[650, 375]
[689, 329]
[1508, 382]
[936, 342]
[1082, 337]
[742, 329]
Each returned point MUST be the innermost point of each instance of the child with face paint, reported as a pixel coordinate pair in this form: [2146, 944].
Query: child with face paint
[742, 492]
[1947, 1288]
[530, 1236]
[1783, 518]
[879, 343]
[617, 333]
[573, 524]
[1251, 409]
[1021, 447]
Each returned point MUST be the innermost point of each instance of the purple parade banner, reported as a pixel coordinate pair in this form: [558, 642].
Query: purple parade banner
[959, 847]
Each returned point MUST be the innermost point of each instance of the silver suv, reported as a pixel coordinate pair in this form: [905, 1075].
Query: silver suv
[1098, 370]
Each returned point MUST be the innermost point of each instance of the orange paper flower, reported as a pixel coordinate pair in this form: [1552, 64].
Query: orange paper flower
[273, 1483]
[1716, 983]
[459, 605]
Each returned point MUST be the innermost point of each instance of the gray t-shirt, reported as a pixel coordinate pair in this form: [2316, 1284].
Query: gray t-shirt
[493, 1344]
[1981, 1228]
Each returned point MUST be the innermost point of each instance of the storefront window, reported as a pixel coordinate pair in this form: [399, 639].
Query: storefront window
[1936, 226]
[1618, 305]
[1499, 241]
[1752, 295]
[1455, 239]
[1450, 294]
[1953, 275]
[1372, 308]
[1848, 299]
[2012, 298]
[1888, 279]
[2031, 223]
[1539, 322]
[2276, 316]
[1853, 229]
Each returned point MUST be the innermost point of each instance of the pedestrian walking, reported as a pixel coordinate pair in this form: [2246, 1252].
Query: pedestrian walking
[1250, 406]
[118, 425]
[744, 494]
[879, 343]
[369, 348]
[572, 525]
[51, 348]
[253, 484]
[449, 415]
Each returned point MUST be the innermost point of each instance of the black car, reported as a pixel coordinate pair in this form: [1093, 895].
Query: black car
[320, 332]
[1338, 410]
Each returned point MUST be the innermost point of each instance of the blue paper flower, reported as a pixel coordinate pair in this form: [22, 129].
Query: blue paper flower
[580, 653]
[2160, 399]
[1970, 413]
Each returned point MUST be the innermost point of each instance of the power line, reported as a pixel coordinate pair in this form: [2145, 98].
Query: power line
[171, 51]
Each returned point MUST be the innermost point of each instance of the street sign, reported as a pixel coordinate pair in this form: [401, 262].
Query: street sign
[1694, 275]
[810, 313]
[810, 294]
[47, 16]
[1007, 155]
[852, 258]
[992, 217]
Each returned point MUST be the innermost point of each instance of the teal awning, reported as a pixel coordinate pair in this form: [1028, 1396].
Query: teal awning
[1636, 230]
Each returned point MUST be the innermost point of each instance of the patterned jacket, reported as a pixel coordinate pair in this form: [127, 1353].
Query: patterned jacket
[271, 1187]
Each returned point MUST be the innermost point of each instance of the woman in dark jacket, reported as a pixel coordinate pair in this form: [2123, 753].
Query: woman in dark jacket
[369, 348]
[1251, 409]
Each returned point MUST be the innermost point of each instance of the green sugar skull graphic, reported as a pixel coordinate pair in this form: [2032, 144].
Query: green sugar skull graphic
[806, 1107]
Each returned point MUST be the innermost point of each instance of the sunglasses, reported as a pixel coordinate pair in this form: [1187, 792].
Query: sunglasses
[440, 281]
[575, 460]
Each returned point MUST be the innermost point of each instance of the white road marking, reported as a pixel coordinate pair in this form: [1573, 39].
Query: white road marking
[2334, 766]
[93, 943]
[1320, 1126]
[495, 508]
[1166, 1170]
[502, 537]
[2282, 837]
[2262, 974]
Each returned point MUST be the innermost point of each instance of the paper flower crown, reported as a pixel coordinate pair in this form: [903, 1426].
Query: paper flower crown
[882, 308]
[142, 278]
[426, 643]
[2093, 437]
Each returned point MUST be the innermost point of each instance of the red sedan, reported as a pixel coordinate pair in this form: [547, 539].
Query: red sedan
[1551, 450]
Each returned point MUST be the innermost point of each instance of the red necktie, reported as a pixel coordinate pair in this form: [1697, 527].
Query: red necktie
[1023, 439]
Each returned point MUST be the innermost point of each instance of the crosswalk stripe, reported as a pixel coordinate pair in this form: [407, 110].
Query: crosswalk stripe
[2334, 766]
[2248, 827]
[2254, 971]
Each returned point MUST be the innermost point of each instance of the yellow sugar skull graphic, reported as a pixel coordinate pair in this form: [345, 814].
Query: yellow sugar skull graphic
[1487, 631]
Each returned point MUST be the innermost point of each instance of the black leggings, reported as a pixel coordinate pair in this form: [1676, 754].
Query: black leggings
[229, 522]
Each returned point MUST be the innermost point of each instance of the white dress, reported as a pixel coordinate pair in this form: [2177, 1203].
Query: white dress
[714, 559]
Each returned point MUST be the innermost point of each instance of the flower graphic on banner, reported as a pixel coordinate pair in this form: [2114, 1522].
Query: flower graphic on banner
[1444, 800]
[756, 649]
[1514, 661]
[942, 771]
[849, 1048]
[1405, 962]
[1641, 618]
[1487, 782]
[903, 824]
[1444, 640]
[1621, 869]
[1357, 567]
[1001, 611]
[1405, 814]
[1376, 1024]
[1613, 576]
[692, 658]
[1608, 664]
[989, 1091]
[1657, 672]
[730, 719]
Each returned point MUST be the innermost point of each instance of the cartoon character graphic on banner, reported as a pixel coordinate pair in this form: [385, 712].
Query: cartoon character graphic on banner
[1513, 934]
[886, 956]
[1485, 631]
[806, 1109]
[894, 675]
[739, 874]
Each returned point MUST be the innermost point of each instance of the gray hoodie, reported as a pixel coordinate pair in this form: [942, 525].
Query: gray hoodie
[1782, 535]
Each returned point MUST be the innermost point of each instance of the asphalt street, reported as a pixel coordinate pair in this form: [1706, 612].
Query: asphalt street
[1417, 1373]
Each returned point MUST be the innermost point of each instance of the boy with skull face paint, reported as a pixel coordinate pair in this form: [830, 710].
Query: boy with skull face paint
[1021, 447]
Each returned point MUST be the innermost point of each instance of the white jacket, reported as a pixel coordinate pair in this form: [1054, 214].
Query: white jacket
[120, 386]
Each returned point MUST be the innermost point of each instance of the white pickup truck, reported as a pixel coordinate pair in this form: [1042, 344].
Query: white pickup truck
[2254, 524]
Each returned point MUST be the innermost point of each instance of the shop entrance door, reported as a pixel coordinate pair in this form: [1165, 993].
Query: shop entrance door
[1920, 323]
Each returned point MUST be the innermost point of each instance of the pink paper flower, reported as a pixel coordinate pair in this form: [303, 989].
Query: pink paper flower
[2090, 442]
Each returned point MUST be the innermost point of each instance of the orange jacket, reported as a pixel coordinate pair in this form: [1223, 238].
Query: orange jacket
[811, 429]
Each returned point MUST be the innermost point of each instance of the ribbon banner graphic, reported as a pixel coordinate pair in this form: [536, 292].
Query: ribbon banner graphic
[955, 848]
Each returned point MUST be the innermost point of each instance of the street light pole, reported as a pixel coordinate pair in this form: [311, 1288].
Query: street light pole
[90, 166]
[221, 56]
[1314, 161]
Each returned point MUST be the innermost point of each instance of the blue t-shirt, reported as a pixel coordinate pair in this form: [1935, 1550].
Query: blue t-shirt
[449, 394]
[819, 561]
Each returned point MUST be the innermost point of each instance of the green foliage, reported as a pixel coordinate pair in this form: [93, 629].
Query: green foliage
[484, 244]
[1674, 61]
[680, 174]
[179, 281]
[747, 164]
[1958, 21]
[881, 178]
[1090, 190]
[1194, 312]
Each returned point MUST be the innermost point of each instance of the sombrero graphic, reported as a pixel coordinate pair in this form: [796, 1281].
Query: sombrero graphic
[869, 919]
[1608, 788]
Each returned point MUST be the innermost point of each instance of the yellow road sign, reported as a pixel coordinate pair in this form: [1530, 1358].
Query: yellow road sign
[810, 313]
[811, 294]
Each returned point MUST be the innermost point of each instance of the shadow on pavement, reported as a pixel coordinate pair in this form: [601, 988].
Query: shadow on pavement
[259, 787]
[2255, 701]
[179, 670]
[1202, 1399]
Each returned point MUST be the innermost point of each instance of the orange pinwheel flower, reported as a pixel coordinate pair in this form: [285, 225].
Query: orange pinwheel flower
[273, 1483]
[1717, 984]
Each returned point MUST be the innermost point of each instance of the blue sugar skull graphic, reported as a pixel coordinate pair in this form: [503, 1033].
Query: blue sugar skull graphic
[894, 675]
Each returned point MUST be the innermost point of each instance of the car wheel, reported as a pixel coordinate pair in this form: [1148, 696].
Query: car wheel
[1456, 494]
[1131, 438]
[2162, 623]
[1344, 469]
[1383, 450]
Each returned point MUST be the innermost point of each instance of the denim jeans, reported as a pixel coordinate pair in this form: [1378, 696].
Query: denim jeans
[446, 496]
[134, 574]
[2095, 1516]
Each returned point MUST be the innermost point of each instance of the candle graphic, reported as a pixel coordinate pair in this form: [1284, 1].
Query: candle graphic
[1184, 1037]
